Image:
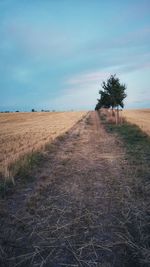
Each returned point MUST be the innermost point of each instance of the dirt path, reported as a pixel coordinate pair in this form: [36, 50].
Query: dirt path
[72, 216]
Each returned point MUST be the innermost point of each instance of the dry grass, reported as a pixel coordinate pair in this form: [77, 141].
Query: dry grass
[22, 133]
[134, 190]
[92, 212]
[73, 220]
[141, 117]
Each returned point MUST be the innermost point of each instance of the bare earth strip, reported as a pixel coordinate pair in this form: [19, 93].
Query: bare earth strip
[141, 117]
[73, 213]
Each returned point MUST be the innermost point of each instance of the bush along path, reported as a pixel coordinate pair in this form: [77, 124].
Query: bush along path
[87, 207]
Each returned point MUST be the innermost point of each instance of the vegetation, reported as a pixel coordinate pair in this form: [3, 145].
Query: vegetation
[135, 189]
[139, 117]
[112, 95]
[25, 133]
[22, 170]
[89, 205]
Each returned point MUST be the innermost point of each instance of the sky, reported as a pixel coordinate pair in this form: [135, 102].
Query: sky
[54, 54]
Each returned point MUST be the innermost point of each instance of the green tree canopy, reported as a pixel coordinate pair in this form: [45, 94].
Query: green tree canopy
[112, 95]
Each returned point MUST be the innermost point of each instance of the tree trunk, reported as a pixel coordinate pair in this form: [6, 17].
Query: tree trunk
[112, 112]
[117, 115]
[121, 117]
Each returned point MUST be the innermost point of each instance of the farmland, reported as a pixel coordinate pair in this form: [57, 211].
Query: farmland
[87, 203]
[141, 117]
[22, 133]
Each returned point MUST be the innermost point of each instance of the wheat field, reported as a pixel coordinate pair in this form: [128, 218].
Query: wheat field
[141, 117]
[22, 133]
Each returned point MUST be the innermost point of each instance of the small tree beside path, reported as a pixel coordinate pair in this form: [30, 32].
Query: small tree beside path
[112, 95]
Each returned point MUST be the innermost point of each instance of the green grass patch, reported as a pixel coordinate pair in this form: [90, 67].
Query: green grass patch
[23, 168]
[135, 200]
[137, 143]
[137, 147]
[21, 172]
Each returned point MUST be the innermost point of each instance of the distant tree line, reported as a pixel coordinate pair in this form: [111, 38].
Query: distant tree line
[32, 110]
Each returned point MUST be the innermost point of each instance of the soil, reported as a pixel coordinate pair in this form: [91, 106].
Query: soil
[71, 215]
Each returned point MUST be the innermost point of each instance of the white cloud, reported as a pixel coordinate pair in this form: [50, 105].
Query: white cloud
[85, 98]
[89, 77]
[81, 91]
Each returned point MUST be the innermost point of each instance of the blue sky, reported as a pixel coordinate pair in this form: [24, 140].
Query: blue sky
[54, 54]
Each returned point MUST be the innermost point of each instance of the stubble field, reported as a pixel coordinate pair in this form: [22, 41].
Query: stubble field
[86, 202]
[141, 117]
[22, 133]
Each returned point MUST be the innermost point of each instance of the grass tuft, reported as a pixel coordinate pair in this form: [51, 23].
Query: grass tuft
[20, 171]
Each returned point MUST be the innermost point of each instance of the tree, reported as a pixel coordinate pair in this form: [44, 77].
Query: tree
[112, 95]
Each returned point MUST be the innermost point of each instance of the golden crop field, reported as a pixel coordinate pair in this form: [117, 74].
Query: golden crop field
[22, 133]
[141, 117]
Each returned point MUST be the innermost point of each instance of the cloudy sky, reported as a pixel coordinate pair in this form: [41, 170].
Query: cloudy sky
[54, 54]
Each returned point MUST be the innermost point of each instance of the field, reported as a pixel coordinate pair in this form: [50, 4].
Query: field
[22, 133]
[141, 117]
[86, 202]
